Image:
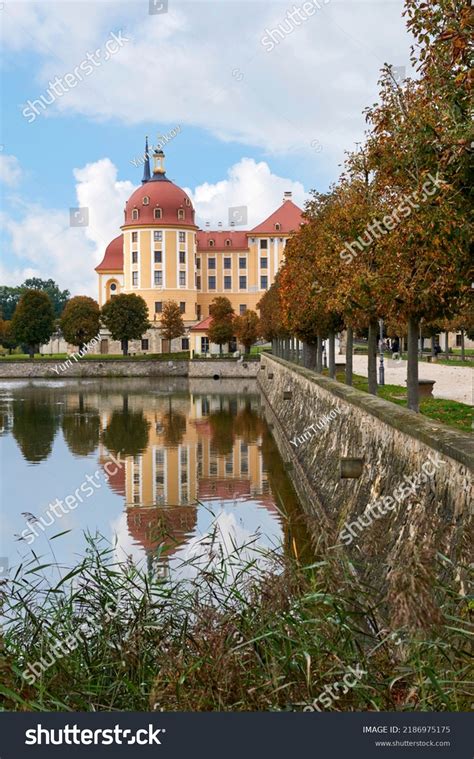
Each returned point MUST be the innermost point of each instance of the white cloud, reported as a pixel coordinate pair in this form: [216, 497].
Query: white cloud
[203, 64]
[10, 170]
[249, 184]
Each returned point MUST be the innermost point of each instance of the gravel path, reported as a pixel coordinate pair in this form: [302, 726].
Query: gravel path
[456, 383]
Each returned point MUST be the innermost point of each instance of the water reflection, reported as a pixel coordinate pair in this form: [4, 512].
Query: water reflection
[194, 455]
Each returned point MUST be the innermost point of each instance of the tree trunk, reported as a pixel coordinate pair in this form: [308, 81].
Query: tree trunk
[31, 350]
[311, 356]
[349, 352]
[446, 347]
[412, 365]
[463, 349]
[125, 347]
[319, 353]
[220, 349]
[372, 358]
[433, 343]
[332, 355]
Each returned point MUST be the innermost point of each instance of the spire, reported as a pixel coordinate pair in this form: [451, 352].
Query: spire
[146, 168]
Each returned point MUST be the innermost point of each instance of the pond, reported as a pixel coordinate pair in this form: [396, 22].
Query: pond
[156, 466]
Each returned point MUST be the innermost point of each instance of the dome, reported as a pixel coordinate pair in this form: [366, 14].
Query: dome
[158, 201]
[113, 256]
[159, 194]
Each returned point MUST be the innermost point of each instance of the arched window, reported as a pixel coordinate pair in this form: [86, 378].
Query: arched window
[211, 243]
[228, 242]
[180, 213]
[146, 200]
[157, 213]
[188, 202]
[135, 214]
[278, 226]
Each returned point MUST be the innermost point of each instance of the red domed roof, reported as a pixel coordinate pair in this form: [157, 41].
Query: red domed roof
[161, 193]
[113, 256]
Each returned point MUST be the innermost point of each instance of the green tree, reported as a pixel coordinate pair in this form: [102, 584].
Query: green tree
[172, 324]
[35, 424]
[9, 297]
[247, 328]
[58, 297]
[221, 329]
[127, 431]
[7, 338]
[80, 321]
[33, 320]
[126, 318]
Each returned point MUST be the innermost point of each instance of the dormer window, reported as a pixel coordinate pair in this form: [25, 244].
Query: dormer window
[135, 214]
[228, 243]
[157, 213]
[211, 243]
[146, 200]
[181, 213]
[277, 226]
[187, 201]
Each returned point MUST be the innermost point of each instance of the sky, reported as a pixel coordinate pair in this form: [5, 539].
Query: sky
[248, 112]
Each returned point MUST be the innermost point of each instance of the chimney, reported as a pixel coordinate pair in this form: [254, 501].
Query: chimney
[287, 196]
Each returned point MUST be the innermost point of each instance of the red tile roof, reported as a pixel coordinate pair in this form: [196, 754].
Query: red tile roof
[162, 194]
[289, 216]
[113, 256]
[202, 326]
[238, 239]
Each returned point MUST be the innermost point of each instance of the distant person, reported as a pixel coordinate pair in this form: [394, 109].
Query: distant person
[396, 348]
[437, 349]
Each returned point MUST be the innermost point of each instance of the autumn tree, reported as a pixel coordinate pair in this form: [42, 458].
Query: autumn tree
[126, 318]
[80, 320]
[7, 338]
[172, 324]
[33, 320]
[221, 328]
[247, 329]
[271, 324]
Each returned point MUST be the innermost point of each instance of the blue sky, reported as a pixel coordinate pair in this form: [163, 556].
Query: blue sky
[253, 121]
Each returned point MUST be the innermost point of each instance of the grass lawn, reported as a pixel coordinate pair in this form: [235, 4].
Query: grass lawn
[452, 413]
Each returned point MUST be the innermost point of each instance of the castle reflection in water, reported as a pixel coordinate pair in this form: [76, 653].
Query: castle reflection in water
[184, 445]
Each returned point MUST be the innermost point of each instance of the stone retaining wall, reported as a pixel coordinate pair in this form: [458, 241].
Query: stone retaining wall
[222, 369]
[327, 422]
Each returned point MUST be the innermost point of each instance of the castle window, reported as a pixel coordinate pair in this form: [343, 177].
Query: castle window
[227, 283]
[228, 243]
[242, 283]
[277, 226]
[211, 263]
[158, 257]
[158, 307]
[182, 307]
[227, 263]
[113, 287]
[135, 214]
[181, 213]
[263, 244]
[242, 309]
[185, 343]
[182, 236]
[158, 278]
[264, 263]
[182, 256]
[198, 263]
[158, 235]
[182, 279]
[134, 236]
[187, 201]
[145, 345]
[212, 283]
[263, 282]
[146, 200]
[211, 243]
[135, 278]
[157, 213]
[242, 263]
[134, 257]
[198, 282]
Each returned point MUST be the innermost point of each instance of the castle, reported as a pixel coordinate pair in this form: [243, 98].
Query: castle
[162, 255]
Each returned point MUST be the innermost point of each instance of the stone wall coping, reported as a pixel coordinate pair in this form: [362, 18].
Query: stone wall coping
[457, 445]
